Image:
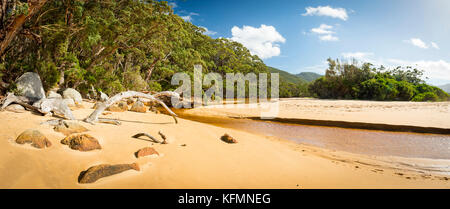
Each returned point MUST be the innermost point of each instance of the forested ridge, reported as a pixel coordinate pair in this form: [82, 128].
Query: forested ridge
[114, 46]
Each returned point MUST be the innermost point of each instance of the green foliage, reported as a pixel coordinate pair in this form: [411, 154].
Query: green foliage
[132, 80]
[309, 76]
[349, 81]
[119, 45]
[290, 85]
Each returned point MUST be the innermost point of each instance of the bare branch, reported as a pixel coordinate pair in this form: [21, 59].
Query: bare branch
[124, 95]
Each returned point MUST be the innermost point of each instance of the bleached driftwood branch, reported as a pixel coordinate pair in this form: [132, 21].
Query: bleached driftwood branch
[11, 98]
[43, 106]
[147, 135]
[124, 95]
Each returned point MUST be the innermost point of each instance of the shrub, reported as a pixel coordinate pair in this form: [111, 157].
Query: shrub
[427, 96]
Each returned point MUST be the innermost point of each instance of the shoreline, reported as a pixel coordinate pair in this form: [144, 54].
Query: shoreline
[204, 162]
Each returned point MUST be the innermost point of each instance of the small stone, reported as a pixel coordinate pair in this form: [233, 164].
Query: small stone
[228, 139]
[130, 101]
[154, 109]
[73, 94]
[15, 108]
[35, 137]
[146, 152]
[119, 107]
[54, 95]
[83, 142]
[94, 173]
[139, 107]
[68, 127]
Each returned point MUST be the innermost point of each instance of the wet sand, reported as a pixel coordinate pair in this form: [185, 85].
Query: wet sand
[196, 158]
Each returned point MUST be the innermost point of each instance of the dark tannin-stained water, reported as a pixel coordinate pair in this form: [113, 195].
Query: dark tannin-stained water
[358, 141]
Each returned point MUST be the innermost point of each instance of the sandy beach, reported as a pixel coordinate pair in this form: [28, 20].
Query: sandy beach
[196, 157]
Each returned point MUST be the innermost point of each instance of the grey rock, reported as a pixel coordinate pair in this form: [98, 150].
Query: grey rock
[73, 94]
[30, 86]
[54, 95]
[15, 108]
[69, 102]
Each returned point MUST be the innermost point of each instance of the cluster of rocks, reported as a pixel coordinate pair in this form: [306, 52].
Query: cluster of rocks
[76, 140]
[29, 86]
[135, 105]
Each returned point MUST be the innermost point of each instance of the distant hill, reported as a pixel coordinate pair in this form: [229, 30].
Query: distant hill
[285, 76]
[309, 76]
[445, 87]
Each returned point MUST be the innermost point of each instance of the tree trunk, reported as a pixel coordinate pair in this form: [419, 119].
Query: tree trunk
[10, 32]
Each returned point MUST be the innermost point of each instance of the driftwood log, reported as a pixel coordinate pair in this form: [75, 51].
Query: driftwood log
[124, 95]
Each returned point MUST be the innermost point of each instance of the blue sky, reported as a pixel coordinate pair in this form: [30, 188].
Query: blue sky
[299, 35]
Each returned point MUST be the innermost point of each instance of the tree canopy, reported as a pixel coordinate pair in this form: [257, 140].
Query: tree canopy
[350, 81]
[114, 46]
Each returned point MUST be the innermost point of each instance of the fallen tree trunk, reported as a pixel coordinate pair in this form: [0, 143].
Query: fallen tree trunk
[124, 95]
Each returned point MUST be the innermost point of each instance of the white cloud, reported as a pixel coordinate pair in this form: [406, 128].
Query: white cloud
[340, 13]
[325, 32]
[323, 29]
[189, 17]
[360, 56]
[260, 41]
[417, 42]
[208, 32]
[435, 70]
[329, 37]
[434, 45]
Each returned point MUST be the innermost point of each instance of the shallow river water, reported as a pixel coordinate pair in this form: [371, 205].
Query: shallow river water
[359, 141]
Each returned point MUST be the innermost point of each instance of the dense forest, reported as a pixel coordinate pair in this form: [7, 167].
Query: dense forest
[351, 81]
[113, 46]
[110, 45]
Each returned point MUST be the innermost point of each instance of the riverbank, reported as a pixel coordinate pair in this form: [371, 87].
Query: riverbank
[420, 114]
[194, 158]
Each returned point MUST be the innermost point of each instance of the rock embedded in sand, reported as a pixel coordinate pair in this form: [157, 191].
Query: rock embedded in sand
[70, 93]
[146, 152]
[70, 127]
[228, 139]
[154, 109]
[139, 107]
[82, 142]
[35, 137]
[119, 107]
[94, 173]
[53, 95]
[15, 108]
